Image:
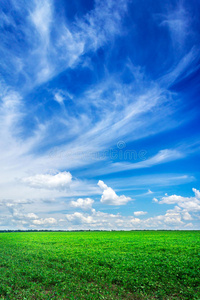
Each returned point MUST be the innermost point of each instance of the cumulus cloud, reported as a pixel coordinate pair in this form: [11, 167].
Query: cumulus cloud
[60, 181]
[79, 218]
[135, 221]
[95, 219]
[110, 197]
[45, 221]
[183, 209]
[187, 203]
[85, 204]
[197, 193]
[186, 215]
[172, 219]
[140, 213]
[20, 216]
[32, 216]
[173, 216]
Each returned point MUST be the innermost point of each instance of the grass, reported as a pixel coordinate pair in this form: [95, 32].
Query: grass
[100, 265]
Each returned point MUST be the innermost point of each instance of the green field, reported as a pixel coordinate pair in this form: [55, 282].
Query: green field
[100, 265]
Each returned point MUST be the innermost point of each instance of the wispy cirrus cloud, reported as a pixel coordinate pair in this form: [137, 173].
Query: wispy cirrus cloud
[53, 46]
[162, 157]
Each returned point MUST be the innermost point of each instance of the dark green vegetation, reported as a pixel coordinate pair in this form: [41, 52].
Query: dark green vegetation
[100, 265]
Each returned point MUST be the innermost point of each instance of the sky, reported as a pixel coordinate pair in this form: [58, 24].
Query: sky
[99, 114]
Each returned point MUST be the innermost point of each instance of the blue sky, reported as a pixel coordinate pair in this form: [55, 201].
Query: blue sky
[99, 114]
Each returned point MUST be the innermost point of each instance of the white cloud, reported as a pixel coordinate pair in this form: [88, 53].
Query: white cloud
[42, 18]
[185, 206]
[59, 98]
[11, 112]
[189, 225]
[52, 44]
[44, 221]
[155, 180]
[155, 199]
[32, 216]
[61, 95]
[102, 23]
[173, 216]
[55, 46]
[9, 202]
[187, 203]
[85, 204]
[172, 219]
[149, 192]
[140, 213]
[80, 218]
[19, 215]
[177, 21]
[60, 181]
[135, 221]
[96, 219]
[197, 193]
[109, 196]
[186, 215]
[161, 157]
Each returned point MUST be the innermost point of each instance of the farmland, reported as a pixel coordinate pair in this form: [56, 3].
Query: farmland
[100, 265]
